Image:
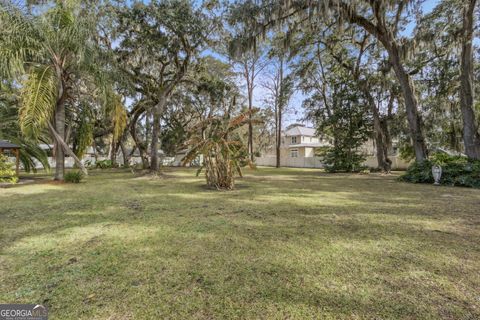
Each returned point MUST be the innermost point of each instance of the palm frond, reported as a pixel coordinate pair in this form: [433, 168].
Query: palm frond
[38, 98]
[19, 40]
[84, 137]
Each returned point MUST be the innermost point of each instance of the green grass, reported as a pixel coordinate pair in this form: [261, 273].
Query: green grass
[287, 244]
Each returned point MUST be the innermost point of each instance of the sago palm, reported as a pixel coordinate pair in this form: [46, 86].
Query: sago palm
[223, 151]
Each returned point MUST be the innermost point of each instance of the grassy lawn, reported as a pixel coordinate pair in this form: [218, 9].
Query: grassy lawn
[287, 244]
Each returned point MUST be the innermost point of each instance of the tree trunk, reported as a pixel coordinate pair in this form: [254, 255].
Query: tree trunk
[453, 140]
[380, 143]
[380, 138]
[59, 140]
[60, 129]
[279, 138]
[154, 146]
[280, 106]
[95, 150]
[471, 137]
[411, 105]
[139, 144]
[250, 126]
[385, 35]
[113, 153]
[148, 125]
[126, 158]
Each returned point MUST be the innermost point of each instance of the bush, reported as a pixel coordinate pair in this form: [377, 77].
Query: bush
[456, 171]
[341, 160]
[89, 164]
[73, 176]
[104, 164]
[7, 173]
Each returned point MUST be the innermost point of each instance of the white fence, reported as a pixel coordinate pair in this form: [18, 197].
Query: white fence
[70, 163]
[315, 162]
[397, 162]
[301, 162]
[268, 161]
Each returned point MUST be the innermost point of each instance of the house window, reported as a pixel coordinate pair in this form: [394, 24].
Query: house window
[294, 153]
[294, 140]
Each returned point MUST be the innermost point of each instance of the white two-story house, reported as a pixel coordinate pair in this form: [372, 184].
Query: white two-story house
[297, 149]
[299, 145]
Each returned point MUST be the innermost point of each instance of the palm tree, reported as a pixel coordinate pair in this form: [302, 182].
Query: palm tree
[223, 152]
[50, 56]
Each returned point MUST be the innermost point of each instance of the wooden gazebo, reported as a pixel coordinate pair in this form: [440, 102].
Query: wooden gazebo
[15, 149]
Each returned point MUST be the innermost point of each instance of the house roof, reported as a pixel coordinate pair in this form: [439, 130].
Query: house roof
[301, 131]
[7, 145]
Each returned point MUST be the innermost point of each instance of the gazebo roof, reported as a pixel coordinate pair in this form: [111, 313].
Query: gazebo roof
[7, 145]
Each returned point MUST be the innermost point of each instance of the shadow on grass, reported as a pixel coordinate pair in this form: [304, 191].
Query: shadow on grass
[332, 246]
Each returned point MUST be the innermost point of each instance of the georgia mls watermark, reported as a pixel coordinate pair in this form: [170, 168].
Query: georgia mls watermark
[23, 312]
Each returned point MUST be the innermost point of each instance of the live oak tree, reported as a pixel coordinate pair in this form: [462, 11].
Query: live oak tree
[438, 81]
[380, 18]
[471, 136]
[354, 51]
[157, 43]
[447, 78]
[202, 96]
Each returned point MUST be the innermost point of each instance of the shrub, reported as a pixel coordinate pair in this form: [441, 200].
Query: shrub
[104, 164]
[339, 159]
[7, 173]
[419, 172]
[73, 176]
[456, 171]
[223, 152]
[89, 164]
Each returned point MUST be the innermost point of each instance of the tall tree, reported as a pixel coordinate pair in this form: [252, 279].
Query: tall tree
[337, 107]
[471, 136]
[51, 54]
[158, 42]
[251, 65]
[359, 61]
[380, 18]
[279, 85]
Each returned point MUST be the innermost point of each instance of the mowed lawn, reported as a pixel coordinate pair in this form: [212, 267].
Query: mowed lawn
[287, 244]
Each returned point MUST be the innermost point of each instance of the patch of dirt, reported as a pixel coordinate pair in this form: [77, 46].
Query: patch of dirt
[53, 182]
[21, 182]
[134, 205]
[72, 260]
[147, 175]
[92, 241]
